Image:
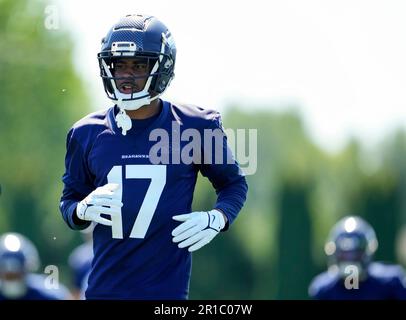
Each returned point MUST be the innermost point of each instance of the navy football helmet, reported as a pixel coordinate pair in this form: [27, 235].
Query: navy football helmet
[138, 37]
[18, 258]
[17, 254]
[352, 241]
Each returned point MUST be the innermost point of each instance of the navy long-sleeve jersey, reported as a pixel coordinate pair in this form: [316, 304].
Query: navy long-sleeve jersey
[136, 258]
[32, 294]
[383, 282]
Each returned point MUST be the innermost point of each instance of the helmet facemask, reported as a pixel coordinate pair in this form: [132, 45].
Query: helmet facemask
[13, 277]
[137, 98]
[160, 73]
[350, 251]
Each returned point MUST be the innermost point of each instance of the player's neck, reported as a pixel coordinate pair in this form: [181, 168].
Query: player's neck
[146, 111]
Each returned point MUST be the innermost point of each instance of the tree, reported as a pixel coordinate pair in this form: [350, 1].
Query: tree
[40, 97]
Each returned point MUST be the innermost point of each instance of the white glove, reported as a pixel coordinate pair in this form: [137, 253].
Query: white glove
[102, 201]
[197, 229]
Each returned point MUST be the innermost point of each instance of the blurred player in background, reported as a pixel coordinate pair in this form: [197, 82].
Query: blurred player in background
[352, 274]
[80, 263]
[19, 260]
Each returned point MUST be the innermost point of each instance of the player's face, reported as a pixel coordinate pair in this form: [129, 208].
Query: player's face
[133, 74]
[13, 284]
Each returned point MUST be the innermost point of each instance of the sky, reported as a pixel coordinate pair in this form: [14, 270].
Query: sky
[340, 64]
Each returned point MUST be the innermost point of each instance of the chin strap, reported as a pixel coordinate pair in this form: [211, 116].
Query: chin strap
[123, 121]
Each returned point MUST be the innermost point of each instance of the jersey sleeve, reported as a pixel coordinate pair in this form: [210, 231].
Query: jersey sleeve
[77, 179]
[223, 171]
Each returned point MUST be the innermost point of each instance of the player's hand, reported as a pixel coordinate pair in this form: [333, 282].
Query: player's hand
[102, 201]
[197, 229]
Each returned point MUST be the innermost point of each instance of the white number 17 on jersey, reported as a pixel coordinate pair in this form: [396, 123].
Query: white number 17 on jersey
[157, 174]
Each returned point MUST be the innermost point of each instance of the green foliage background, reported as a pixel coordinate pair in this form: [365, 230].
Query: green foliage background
[298, 192]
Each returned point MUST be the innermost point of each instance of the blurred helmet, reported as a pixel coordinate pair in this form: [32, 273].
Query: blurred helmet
[141, 37]
[87, 233]
[18, 256]
[14, 246]
[352, 241]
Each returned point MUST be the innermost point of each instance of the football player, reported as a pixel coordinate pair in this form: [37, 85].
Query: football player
[18, 260]
[80, 262]
[352, 274]
[128, 169]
